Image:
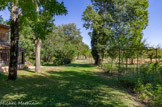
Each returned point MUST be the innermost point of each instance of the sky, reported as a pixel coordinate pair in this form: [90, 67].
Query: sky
[152, 34]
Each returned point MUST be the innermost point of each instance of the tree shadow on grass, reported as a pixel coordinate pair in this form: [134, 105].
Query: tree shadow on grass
[47, 65]
[65, 88]
[80, 65]
[72, 65]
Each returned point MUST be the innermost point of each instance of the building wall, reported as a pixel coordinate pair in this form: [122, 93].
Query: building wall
[4, 36]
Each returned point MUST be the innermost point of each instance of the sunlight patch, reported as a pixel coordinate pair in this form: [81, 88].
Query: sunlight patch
[14, 96]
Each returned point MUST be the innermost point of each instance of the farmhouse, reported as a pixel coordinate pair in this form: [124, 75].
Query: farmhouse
[5, 50]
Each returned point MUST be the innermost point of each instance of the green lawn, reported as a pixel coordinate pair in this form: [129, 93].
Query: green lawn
[74, 85]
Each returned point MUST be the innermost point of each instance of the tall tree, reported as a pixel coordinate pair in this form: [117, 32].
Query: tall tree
[20, 9]
[16, 8]
[43, 24]
[118, 23]
[14, 41]
[100, 35]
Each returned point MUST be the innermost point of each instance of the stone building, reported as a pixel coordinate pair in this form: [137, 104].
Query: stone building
[5, 50]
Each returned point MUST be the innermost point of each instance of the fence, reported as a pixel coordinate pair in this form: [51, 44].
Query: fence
[132, 59]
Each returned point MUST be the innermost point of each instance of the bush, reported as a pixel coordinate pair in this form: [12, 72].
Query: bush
[128, 80]
[147, 83]
[106, 67]
[61, 61]
[32, 62]
[42, 62]
[148, 93]
[145, 91]
[157, 98]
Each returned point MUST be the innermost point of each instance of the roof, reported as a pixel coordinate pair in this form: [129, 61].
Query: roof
[4, 26]
[4, 46]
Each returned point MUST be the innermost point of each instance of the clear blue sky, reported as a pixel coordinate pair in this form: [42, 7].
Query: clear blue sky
[153, 33]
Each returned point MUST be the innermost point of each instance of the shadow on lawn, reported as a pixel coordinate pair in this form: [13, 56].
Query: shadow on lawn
[80, 65]
[66, 88]
[73, 65]
[47, 64]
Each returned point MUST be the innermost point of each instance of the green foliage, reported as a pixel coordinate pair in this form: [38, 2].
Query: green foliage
[26, 41]
[144, 91]
[157, 98]
[119, 24]
[61, 61]
[129, 80]
[61, 42]
[65, 51]
[41, 16]
[150, 94]
[85, 51]
[64, 42]
[106, 67]
[147, 83]
[151, 68]
[1, 20]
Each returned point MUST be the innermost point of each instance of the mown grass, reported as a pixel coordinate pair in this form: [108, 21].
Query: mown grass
[74, 85]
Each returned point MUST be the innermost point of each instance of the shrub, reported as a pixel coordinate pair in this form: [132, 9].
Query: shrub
[128, 80]
[61, 61]
[150, 94]
[42, 62]
[106, 67]
[145, 91]
[146, 83]
[157, 98]
[32, 62]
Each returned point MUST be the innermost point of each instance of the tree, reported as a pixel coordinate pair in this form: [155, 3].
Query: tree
[65, 41]
[100, 34]
[16, 8]
[85, 50]
[1, 20]
[26, 41]
[19, 10]
[43, 24]
[116, 23]
[95, 50]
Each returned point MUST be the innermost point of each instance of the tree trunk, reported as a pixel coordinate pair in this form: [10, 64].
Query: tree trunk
[85, 57]
[126, 63]
[132, 62]
[37, 62]
[14, 42]
[98, 60]
[37, 47]
[151, 59]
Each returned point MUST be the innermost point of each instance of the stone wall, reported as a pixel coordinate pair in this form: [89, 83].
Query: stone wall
[5, 68]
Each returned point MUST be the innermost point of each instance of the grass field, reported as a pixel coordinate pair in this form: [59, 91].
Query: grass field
[75, 85]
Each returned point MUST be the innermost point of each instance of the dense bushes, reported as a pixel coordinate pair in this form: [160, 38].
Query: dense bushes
[149, 93]
[147, 83]
[64, 42]
[64, 55]
[61, 61]
[108, 68]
